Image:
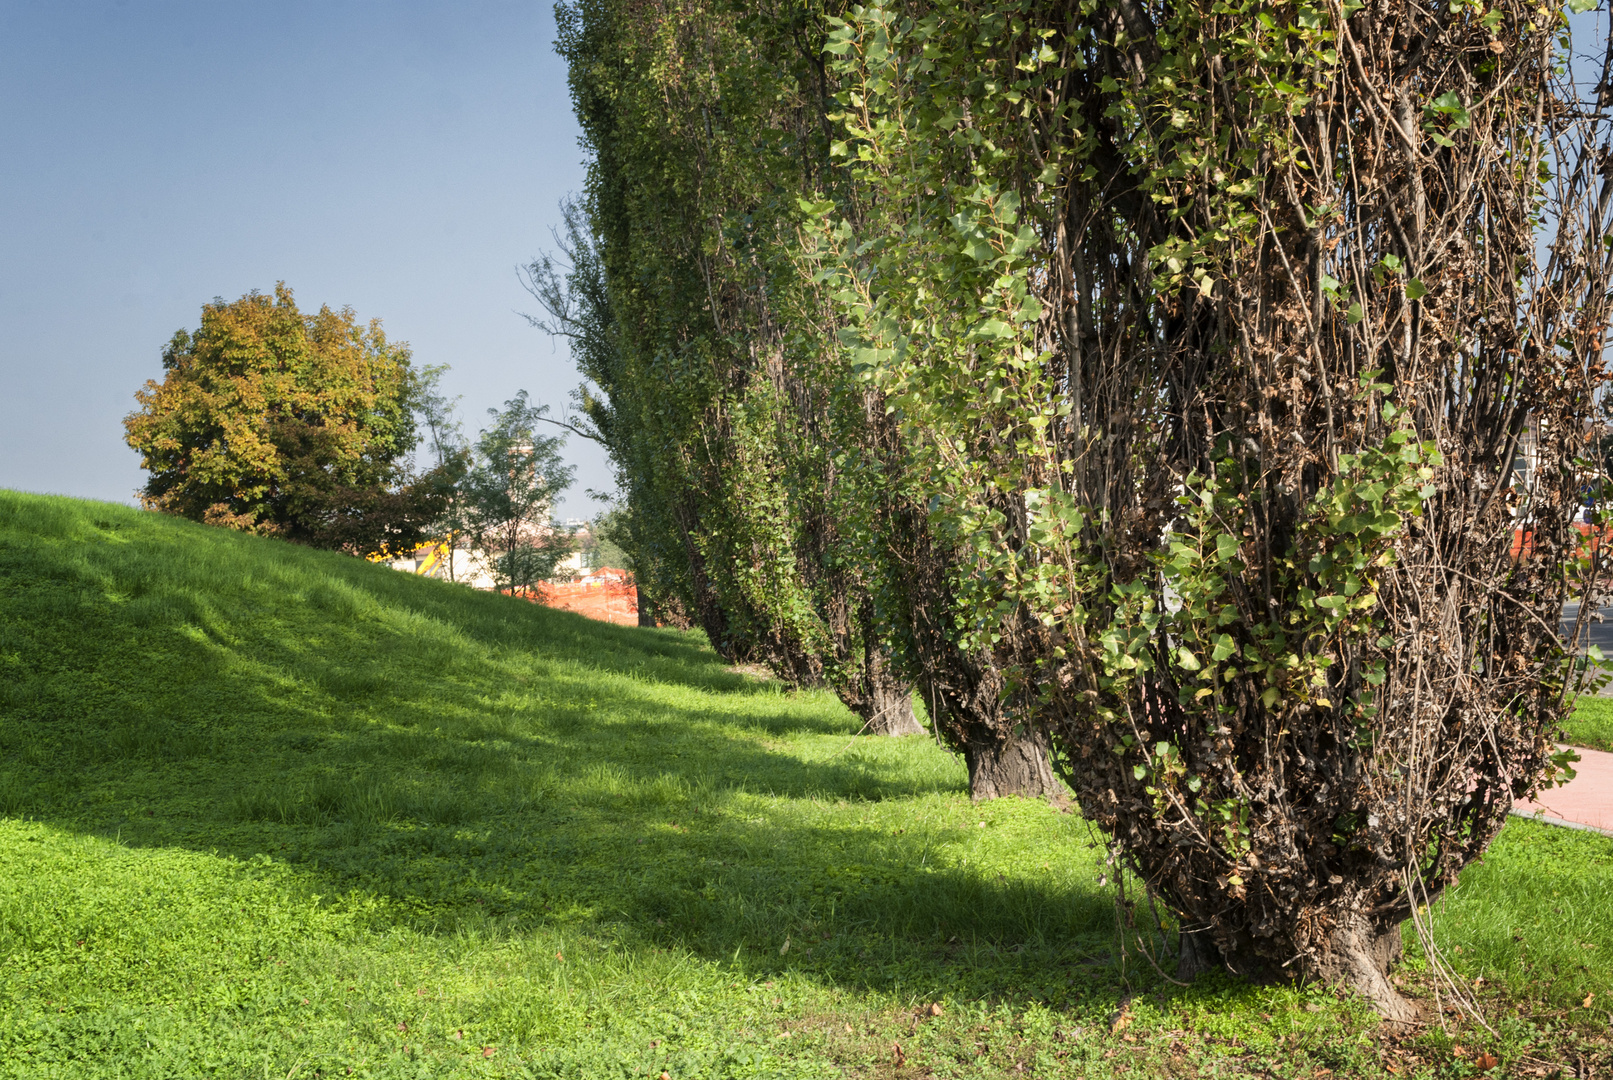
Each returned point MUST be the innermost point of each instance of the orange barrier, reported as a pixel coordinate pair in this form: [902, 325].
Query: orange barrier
[609, 599]
[1523, 542]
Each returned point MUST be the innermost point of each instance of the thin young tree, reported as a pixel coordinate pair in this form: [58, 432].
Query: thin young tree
[509, 497]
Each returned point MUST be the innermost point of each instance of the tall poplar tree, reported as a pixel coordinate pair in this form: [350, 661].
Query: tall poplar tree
[1223, 330]
[705, 121]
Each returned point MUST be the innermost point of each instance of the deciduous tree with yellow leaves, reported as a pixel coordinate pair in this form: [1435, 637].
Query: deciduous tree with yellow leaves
[295, 425]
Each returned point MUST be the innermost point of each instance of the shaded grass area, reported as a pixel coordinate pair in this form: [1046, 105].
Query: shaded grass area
[272, 811]
[1592, 723]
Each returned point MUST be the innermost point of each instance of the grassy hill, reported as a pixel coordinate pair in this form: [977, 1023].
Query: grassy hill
[273, 812]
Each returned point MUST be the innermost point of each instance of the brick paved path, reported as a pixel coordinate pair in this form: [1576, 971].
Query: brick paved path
[1585, 800]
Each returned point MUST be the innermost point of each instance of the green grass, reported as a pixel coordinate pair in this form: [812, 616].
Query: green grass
[1592, 723]
[273, 812]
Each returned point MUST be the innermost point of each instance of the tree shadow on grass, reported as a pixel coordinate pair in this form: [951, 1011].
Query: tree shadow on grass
[474, 757]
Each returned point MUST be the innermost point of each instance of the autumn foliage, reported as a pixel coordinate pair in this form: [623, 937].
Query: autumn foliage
[288, 424]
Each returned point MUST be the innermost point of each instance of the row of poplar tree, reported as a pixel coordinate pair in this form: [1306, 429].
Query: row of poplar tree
[1189, 400]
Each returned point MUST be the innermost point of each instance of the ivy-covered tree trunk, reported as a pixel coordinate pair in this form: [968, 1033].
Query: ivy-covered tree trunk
[716, 392]
[1240, 345]
[710, 614]
[971, 703]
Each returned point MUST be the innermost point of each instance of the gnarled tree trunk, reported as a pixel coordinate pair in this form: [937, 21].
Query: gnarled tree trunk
[887, 703]
[1014, 765]
[1003, 758]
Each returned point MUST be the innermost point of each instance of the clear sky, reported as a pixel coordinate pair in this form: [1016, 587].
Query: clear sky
[399, 158]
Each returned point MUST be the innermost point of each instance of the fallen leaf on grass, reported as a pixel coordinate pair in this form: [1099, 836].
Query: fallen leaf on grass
[897, 1057]
[934, 1008]
[487, 1051]
[1587, 1002]
[1486, 1061]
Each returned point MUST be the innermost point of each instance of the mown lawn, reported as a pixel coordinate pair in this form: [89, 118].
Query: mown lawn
[1592, 723]
[272, 812]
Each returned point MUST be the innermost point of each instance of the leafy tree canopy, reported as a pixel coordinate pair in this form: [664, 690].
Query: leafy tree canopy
[274, 421]
[509, 494]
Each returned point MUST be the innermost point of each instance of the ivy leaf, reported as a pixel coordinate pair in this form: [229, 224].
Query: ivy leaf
[1332, 603]
[1451, 107]
[978, 250]
[1415, 290]
[1186, 658]
[1224, 647]
[1139, 771]
[1580, 7]
[1355, 314]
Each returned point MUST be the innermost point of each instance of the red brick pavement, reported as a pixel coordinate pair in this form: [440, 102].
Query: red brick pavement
[1586, 800]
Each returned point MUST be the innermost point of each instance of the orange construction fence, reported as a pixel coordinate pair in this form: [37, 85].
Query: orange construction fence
[609, 598]
[1523, 541]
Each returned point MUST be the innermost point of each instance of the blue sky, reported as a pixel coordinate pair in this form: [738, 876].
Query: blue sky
[399, 158]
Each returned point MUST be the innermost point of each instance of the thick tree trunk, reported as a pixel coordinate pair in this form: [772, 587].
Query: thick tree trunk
[890, 710]
[1195, 952]
[1015, 764]
[1359, 957]
[655, 610]
[646, 607]
[883, 699]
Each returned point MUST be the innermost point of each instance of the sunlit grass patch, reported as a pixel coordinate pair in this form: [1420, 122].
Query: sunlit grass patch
[1536, 915]
[271, 810]
[1592, 723]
